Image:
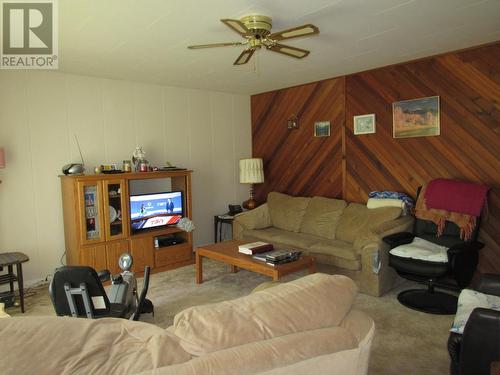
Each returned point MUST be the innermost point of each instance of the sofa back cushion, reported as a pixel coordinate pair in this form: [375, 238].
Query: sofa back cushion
[357, 219]
[286, 211]
[322, 217]
[260, 356]
[312, 302]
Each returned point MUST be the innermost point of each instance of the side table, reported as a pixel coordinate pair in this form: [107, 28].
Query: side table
[9, 260]
[219, 220]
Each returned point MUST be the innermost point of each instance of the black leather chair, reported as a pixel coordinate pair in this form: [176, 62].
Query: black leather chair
[473, 352]
[455, 274]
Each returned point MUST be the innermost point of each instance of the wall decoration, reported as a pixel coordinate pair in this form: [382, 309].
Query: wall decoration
[416, 117]
[364, 124]
[322, 129]
[293, 122]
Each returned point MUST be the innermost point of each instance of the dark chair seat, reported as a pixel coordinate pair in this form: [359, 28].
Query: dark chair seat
[419, 269]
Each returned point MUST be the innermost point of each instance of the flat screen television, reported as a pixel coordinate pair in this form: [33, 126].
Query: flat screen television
[155, 210]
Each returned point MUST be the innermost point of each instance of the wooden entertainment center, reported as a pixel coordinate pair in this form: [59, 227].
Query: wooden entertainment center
[96, 210]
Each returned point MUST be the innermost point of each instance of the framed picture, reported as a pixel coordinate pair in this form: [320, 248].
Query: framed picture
[364, 124]
[322, 129]
[416, 118]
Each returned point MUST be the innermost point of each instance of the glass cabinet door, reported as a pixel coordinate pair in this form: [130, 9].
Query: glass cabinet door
[91, 214]
[115, 207]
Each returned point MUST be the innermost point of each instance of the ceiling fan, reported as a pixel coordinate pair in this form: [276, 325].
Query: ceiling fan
[256, 30]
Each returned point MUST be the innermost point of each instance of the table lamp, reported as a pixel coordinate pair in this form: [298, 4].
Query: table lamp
[251, 172]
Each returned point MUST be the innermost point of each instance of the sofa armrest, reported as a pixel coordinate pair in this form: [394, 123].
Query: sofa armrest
[489, 284]
[398, 239]
[463, 260]
[376, 234]
[465, 247]
[454, 344]
[376, 275]
[480, 342]
[258, 218]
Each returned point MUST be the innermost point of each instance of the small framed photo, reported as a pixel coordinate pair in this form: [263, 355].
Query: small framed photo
[322, 129]
[364, 124]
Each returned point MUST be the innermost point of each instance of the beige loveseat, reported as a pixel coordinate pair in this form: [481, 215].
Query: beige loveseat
[345, 235]
[305, 326]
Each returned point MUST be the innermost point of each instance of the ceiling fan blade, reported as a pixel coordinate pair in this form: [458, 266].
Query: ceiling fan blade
[294, 32]
[237, 26]
[216, 45]
[298, 53]
[244, 57]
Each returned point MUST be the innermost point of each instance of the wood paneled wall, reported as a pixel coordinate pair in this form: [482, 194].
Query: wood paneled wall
[295, 162]
[348, 165]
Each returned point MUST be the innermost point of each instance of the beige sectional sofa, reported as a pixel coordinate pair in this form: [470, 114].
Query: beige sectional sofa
[341, 234]
[305, 326]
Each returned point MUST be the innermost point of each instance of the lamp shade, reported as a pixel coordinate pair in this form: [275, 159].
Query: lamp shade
[251, 171]
[2, 157]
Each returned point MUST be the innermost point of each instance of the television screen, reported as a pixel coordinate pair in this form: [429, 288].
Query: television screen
[155, 210]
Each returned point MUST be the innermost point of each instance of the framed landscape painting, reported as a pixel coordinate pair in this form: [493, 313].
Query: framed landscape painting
[416, 117]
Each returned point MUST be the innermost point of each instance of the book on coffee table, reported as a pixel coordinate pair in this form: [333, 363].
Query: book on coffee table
[255, 248]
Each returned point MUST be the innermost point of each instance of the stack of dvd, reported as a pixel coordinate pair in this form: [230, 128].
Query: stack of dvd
[277, 257]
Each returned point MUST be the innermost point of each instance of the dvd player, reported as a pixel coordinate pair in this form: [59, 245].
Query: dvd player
[168, 241]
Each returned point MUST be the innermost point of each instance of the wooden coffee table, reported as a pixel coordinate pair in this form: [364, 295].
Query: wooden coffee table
[227, 252]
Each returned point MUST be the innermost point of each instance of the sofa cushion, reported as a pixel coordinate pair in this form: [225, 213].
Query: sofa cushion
[282, 238]
[322, 217]
[267, 235]
[286, 211]
[357, 218]
[301, 241]
[311, 302]
[258, 219]
[338, 248]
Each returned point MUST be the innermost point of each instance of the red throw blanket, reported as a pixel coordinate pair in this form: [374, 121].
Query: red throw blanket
[455, 201]
[456, 196]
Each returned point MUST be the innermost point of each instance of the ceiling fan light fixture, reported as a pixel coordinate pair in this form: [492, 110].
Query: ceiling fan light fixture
[258, 25]
[256, 29]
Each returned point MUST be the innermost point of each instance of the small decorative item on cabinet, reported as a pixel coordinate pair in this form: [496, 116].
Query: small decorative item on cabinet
[127, 166]
[143, 166]
[138, 157]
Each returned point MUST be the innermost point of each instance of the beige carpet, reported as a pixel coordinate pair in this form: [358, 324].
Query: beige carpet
[406, 341]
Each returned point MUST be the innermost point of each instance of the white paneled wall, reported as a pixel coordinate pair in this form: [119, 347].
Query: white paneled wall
[41, 111]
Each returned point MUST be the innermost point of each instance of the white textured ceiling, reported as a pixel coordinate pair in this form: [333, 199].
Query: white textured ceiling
[146, 40]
